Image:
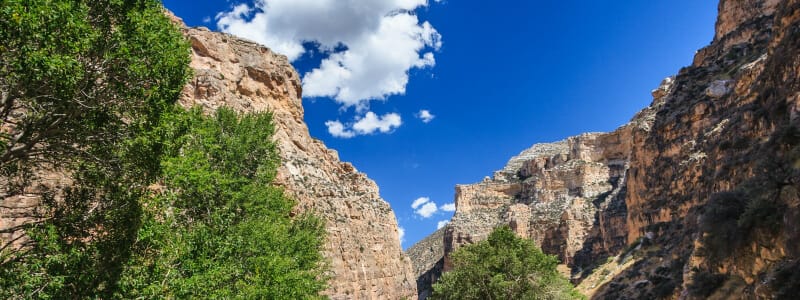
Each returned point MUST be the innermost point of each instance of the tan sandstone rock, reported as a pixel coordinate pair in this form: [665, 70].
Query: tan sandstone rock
[362, 245]
[638, 195]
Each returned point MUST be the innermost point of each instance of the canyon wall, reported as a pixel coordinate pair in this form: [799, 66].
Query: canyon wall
[428, 259]
[362, 245]
[696, 197]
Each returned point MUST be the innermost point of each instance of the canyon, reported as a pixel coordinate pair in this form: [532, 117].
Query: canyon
[362, 244]
[698, 196]
[644, 204]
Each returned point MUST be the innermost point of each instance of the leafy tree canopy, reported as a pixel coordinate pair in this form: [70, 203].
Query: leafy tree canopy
[504, 266]
[80, 75]
[220, 229]
[161, 202]
[80, 82]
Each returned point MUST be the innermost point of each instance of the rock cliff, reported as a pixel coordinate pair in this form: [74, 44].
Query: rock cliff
[697, 197]
[362, 243]
[427, 256]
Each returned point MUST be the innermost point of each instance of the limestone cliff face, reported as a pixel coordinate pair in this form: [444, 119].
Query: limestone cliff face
[568, 196]
[696, 198]
[362, 243]
[427, 256]
[729, 127]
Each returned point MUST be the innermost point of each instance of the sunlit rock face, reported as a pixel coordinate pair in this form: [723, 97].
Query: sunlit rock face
[728, 119]
[568, 196]
[362, 246]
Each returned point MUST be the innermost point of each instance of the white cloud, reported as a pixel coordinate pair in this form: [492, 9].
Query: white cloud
[206, 19]
[449, 207]
[427, 210]
[425, 115]
[368, 124]
[420, 201]
[442, 224]
[337, 129]
[371, 123]
[401, 234]
[383, 40]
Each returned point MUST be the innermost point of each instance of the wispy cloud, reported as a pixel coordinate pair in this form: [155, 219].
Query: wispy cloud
[449, 207]
[368, 124]
[425, 115]
[420, 201]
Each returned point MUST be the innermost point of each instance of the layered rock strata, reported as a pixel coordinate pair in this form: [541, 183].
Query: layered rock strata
[719, 147]
[568, 196]
[362, 245]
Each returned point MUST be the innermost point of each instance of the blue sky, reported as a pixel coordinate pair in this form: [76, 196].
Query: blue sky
[497, 77]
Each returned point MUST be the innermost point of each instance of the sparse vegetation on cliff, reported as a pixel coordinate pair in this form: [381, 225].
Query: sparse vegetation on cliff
[504, 266]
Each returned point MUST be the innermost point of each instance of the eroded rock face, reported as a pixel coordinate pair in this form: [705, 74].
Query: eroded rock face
[567, 196]
[427, 256]
[728, 122]
[725, 125]
[362, 243]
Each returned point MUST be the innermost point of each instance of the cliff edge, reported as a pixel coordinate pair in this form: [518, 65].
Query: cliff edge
[362, 245]
[697, 197]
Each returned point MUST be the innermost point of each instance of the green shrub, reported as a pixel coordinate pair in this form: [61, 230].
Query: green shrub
[719, 223]
[503, 267]
[221, 229]
[786, 282]
[704, 283]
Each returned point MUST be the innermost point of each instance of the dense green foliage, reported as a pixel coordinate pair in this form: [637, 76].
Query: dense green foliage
[503, 267]
[160, 202]
[79, 82]
[219, 229]
[80, 75]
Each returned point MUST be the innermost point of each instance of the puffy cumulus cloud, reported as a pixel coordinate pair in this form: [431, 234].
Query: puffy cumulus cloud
[401, 234]
[368, 124]
[337, 129]
[420, 201]
[382, 41]
[371, 123]
[425, 115]
[375, 67]
[427, 210]
[442, 224]
[449, 207]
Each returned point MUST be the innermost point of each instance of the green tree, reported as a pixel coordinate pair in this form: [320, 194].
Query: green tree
[81, 83]
[503, 267]
[79, 74]
[219, 228]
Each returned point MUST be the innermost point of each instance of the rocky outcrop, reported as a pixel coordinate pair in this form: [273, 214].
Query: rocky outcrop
[427, 256]
[362, 244]
[696, 197]
[568, 196]
[726, 129]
